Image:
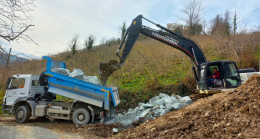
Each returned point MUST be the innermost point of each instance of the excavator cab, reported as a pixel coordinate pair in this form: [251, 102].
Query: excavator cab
[229, 77]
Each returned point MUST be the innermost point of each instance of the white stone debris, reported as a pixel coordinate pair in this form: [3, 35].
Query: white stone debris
[155, 107]
[61, 71]
[91, 79]
[78, 74]
[115, 130]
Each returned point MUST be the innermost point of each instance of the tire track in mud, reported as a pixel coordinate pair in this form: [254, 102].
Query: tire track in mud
[36, 129]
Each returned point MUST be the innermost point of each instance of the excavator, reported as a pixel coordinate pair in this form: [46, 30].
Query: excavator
[203, 69]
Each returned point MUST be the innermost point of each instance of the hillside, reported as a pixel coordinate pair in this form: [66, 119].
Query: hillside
[153, 67]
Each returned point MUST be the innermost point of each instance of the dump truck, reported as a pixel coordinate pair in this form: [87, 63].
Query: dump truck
[34, 95]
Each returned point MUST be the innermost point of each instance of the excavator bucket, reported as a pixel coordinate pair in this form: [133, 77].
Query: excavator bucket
[106, 69]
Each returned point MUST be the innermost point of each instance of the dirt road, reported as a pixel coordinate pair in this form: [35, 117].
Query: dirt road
[37, 129]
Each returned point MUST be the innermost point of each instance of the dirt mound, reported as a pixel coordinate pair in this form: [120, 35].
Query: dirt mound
[234, 114]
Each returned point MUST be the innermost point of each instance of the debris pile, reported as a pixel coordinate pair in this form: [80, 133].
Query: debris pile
[157, 106]
[96, 130]
[78, 74]
[233, 114]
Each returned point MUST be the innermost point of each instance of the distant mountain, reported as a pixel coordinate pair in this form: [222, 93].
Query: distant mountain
[13, 58]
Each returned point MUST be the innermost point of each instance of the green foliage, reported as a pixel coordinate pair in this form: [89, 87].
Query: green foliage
[123, 30]
[196, 29]
[90, 42]
[2, 92]
[62, 98]
[178, 30]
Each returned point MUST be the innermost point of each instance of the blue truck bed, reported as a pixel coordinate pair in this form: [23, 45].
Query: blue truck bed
[76, 89]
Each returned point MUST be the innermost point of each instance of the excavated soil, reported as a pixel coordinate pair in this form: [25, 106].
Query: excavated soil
[234, 114]
[97, 130]
[106, 69]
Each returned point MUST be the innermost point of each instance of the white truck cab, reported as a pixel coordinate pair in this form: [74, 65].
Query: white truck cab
[20, 86]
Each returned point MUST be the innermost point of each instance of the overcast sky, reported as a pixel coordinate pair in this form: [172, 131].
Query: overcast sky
[56, 21]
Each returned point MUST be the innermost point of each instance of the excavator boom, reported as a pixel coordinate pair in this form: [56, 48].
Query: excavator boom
[187, 46]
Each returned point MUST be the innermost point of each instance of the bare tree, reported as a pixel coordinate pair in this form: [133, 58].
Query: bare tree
[192, 12]
[235, 23]
[74, 44]
[15, 19]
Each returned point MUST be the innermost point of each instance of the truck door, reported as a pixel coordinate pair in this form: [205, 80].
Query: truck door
[15, 90]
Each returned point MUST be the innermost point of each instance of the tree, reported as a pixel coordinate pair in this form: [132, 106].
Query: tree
[123, 30]
[235, 23]
[15, 19]
[86, 43]
[90, 42]
[178, 29]
[226, 23]
[221, 25]
[74, 44]
[192, 12]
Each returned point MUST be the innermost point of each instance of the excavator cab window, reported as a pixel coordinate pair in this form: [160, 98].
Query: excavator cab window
[232, 78]
[215, 79]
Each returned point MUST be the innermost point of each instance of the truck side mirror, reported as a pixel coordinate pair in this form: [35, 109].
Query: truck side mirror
[8, 82]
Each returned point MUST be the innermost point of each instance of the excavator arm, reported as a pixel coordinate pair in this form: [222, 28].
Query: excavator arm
[164, 35]
[187, 46]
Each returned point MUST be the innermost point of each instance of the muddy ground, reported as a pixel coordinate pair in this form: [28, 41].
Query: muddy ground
[45, 128]
[37, 128]
[233, 114]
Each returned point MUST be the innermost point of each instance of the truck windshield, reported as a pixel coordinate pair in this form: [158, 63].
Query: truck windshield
[17, 83]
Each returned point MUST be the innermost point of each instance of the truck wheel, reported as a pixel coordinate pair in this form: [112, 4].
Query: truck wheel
[22, 114]
[81, 116]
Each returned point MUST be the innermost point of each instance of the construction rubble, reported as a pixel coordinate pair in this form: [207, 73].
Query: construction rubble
[155, 107]
[231, 114]
[78, 74]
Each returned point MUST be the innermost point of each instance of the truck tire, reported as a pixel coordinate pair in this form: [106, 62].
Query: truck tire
[81, 116]
[22, 114]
